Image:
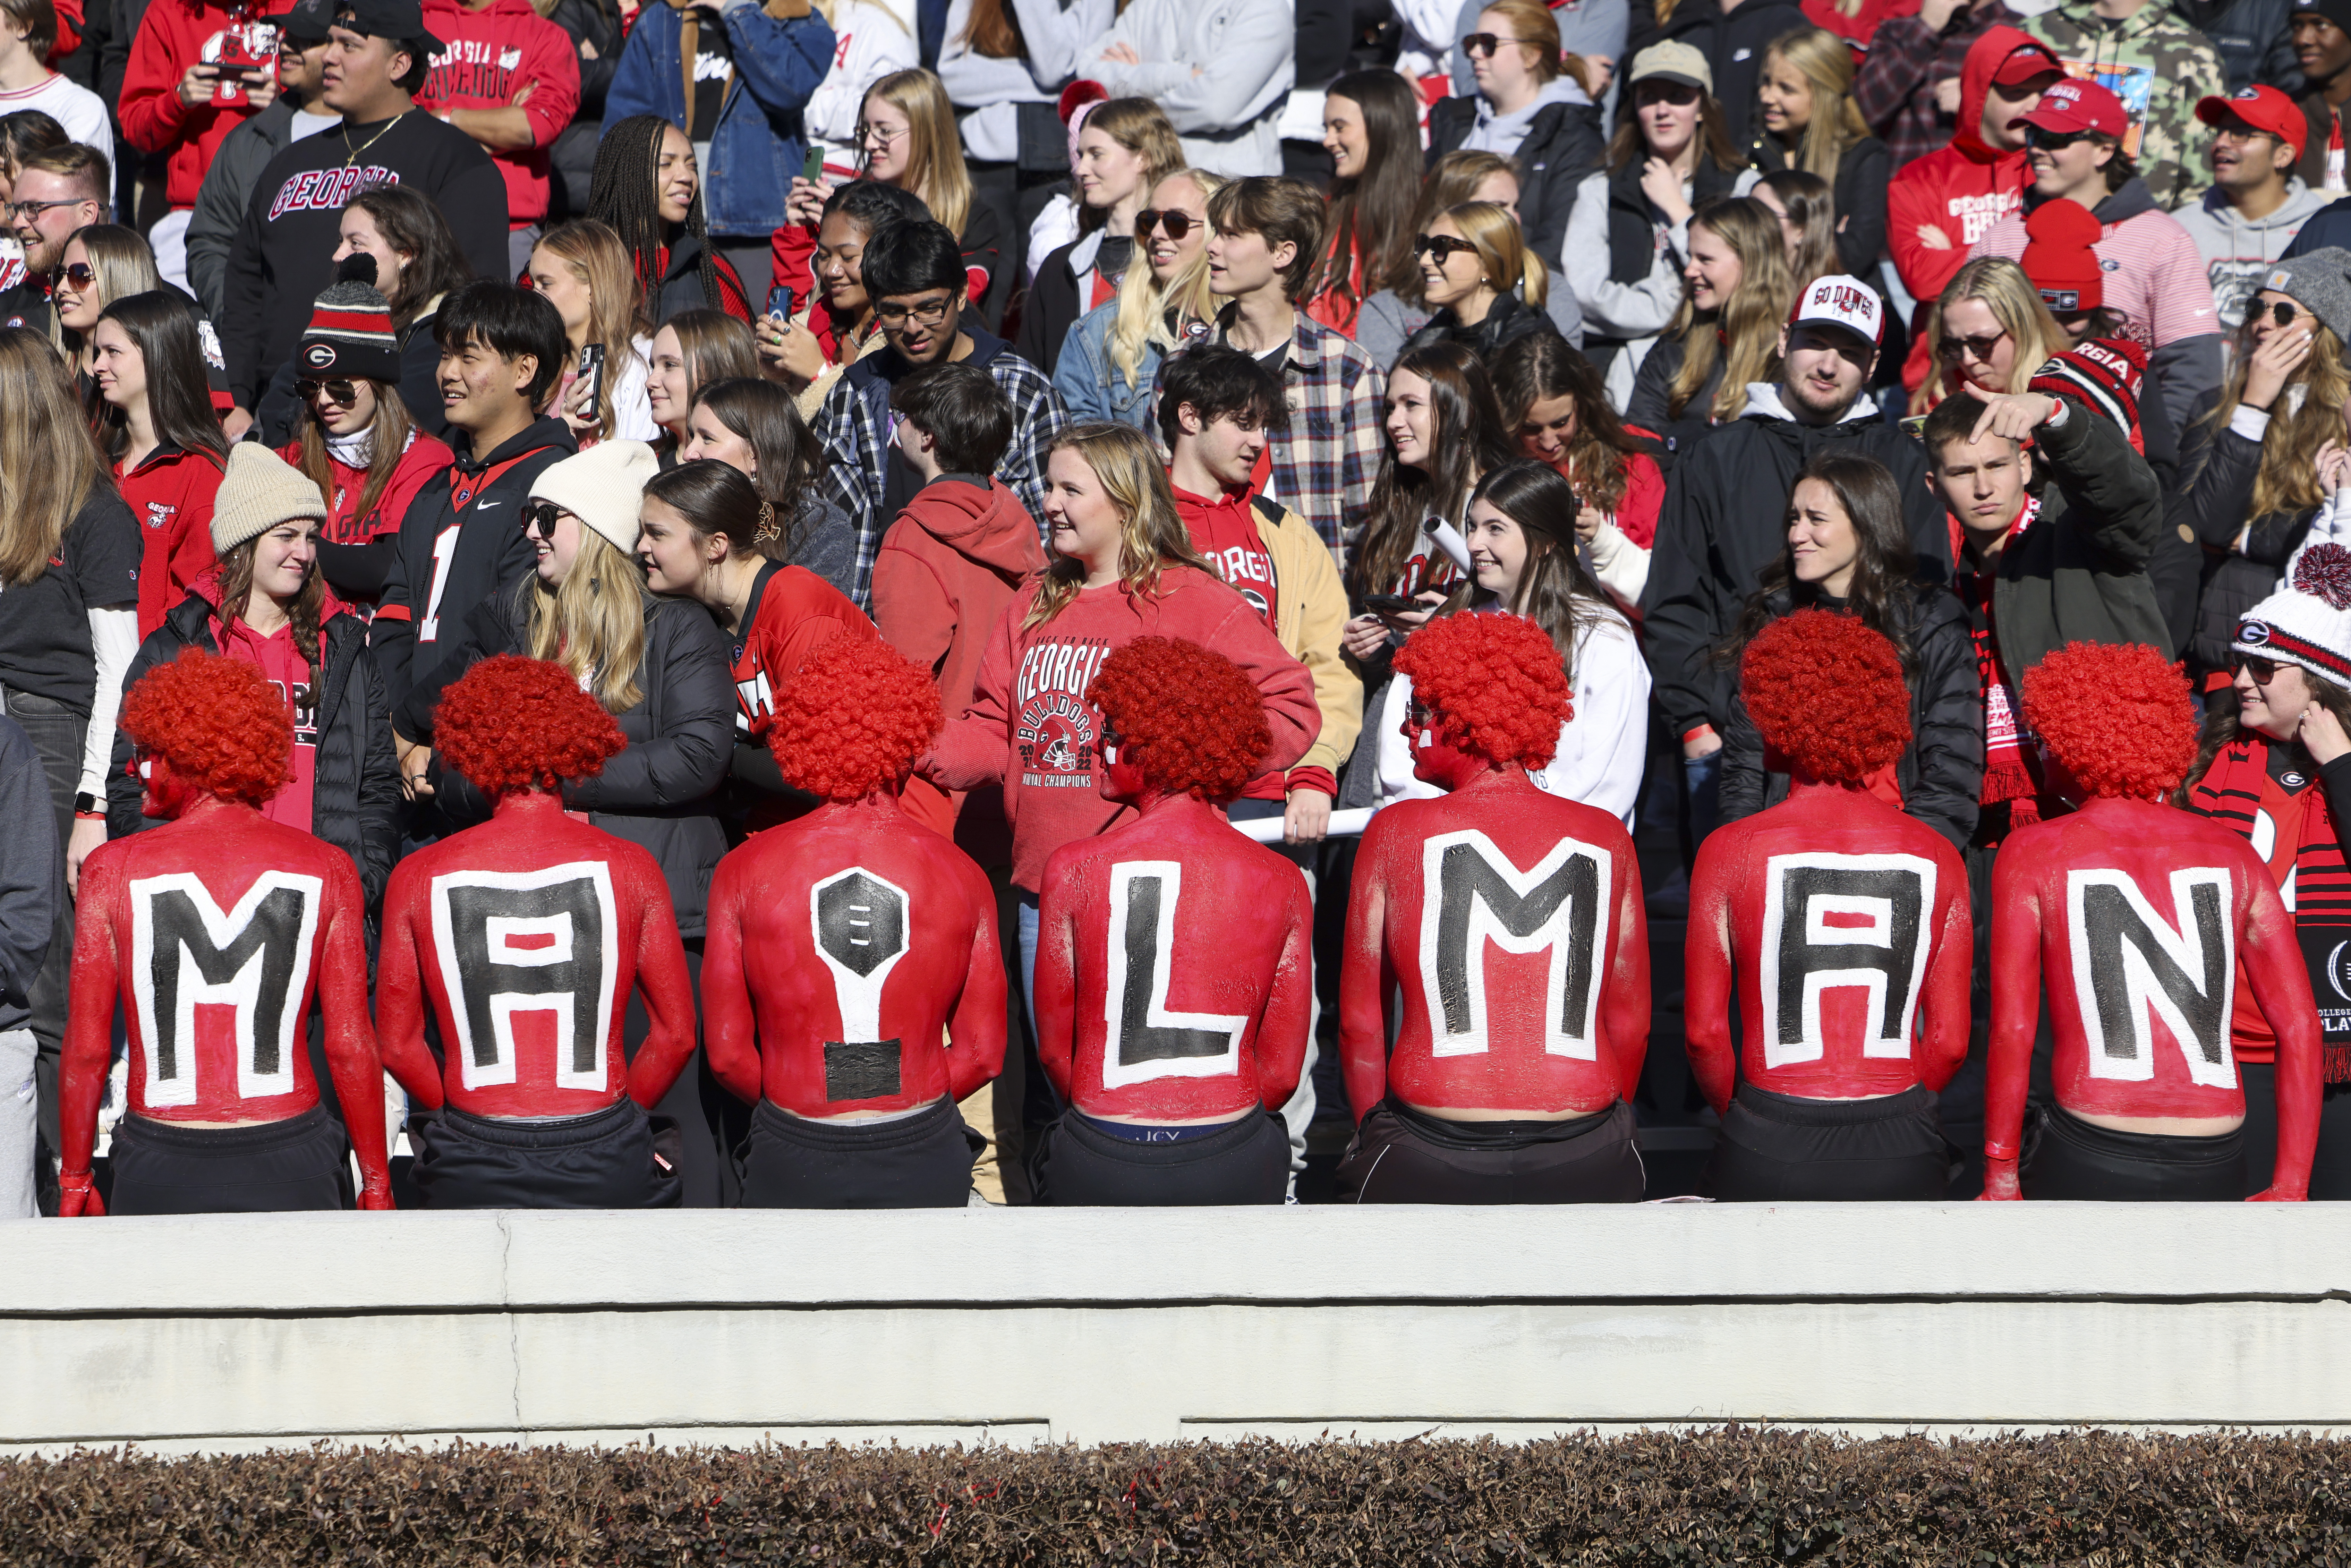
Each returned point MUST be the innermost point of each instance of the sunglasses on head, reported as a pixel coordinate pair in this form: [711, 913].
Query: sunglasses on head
[2051, 141]
[80, 274]
[538, 517]
[2262, 670]
[341, 393]
[1177, 225]
[1442, 248]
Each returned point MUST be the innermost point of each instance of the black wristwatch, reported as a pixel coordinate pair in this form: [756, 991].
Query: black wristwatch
[85, 804]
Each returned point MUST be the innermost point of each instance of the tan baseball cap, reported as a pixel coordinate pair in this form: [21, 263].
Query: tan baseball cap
[1672, 62]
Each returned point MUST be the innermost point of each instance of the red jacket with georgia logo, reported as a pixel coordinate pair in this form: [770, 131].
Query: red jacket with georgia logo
[171, 493]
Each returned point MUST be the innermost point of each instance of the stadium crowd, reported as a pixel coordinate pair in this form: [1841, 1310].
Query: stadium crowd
[1208, 527]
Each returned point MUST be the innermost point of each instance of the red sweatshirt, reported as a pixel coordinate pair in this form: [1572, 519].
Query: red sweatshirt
[171, 493]
[1031, 728]
[424, 456]
[946, 569]
[1958, 193]
[490, 55]
[173, 36]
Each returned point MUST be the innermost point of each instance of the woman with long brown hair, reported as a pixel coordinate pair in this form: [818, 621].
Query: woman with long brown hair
[1727, 332]
[1554, 408]
[417, 263]
[1126, 148]
[1806, 119]
[583, 270]
[755, 427]
[694, 349]
[157, 425]
[1849, 551]
[1807, 213]
[1371, 127]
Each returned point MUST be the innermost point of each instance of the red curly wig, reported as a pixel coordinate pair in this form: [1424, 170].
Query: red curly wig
[1494, 683]
[2116, 715]
[1827, 693]
[1197, 722]
[854, 720]
[220, 724]
[510, 723]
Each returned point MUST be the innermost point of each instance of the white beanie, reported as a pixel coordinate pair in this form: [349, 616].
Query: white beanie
[602, 487]
[2307, 622]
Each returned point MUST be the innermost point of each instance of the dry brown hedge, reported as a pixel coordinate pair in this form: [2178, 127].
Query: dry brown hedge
[1736, 1495]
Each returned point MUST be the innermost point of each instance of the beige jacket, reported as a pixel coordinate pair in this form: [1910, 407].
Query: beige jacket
[1309, 609]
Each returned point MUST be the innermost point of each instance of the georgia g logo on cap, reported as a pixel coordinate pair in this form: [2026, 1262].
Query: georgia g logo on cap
[2253, 632]
[319, 355]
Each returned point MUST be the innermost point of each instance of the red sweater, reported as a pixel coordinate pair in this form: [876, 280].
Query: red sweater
[173, 36]
[171, 493]
[946, 569]
[424, 456]
[487, 56]
[1032, 730]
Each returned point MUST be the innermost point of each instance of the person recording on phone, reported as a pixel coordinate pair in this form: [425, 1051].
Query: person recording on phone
[585, 272]
[198, 71]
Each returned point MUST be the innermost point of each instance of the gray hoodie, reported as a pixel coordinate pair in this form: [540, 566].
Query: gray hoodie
[2238, 250]
[1502, 132]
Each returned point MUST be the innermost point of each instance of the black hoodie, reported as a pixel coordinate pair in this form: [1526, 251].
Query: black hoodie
[433, 585]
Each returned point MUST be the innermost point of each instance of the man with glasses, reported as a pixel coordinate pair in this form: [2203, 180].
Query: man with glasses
[502, 351]
[913, 273]
[56, 193]
[2146, 270]
[2257, 203]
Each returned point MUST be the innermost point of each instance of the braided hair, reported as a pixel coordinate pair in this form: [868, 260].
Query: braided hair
[624, 193]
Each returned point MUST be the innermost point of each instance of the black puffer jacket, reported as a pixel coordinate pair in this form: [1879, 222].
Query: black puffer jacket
[2237, 576]
[1509, 319]
[663, 792]
[1564, 142]
[355, 784]
[1941, 772]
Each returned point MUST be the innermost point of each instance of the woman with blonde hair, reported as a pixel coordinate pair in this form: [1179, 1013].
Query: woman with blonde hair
[1125, 149]
[1532, 104]
[907, 137]
[1487, 286]
[99, 264]
[584, 271]
[1807, 214]
[1806, 119]
[1727, 332]
[1110, 358]
[1989, 332]
[1394, 314]
[1122, 567]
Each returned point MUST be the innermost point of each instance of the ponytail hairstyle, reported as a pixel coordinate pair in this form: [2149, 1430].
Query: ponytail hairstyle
[1826, 63]
[934, 165]
[1154, 536]
[1141, 127]
[1746, 328]
[616, 312]
[1454, 179]
[1510, 265]
[1148, 314]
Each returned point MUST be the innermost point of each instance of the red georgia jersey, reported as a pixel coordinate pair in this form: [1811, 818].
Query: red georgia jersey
[851, 964]
[1174, 969]
[1511, 924]
[792, 613]
[525, 935]
[1848, 923]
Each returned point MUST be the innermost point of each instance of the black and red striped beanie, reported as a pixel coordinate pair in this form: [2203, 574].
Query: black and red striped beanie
[349, 335]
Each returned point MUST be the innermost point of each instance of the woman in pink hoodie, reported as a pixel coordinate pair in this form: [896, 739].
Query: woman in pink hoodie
[1123, 567]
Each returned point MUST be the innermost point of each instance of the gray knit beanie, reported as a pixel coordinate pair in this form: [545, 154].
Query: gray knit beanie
[2321, 280]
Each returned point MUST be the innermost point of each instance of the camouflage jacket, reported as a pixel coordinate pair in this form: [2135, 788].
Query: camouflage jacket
[2185, 67]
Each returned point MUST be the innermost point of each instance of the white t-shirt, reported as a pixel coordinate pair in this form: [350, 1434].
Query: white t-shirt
[309, 124]
[82, 111]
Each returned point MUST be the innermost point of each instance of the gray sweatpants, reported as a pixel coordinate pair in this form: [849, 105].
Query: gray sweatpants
[20, 1104]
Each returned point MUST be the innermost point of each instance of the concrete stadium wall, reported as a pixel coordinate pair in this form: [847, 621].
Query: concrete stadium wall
[1014, 1325]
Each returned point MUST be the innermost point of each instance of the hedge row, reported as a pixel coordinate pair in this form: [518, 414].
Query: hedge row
[1736, 1495]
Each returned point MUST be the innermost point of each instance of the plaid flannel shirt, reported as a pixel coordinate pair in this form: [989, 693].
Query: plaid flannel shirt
[1895, 87]
[1324, 463]
[854, 426]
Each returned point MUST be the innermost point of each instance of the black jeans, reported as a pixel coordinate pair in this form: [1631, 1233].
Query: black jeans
[57, 733]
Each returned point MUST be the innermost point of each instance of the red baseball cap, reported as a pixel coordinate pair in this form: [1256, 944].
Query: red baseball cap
[2264, 109]
[2077, 105]
[2026, 62]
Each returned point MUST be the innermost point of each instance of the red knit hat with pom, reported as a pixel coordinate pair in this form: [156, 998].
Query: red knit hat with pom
[1195, 718]
[1495, 683]
[511, 722]
[2116, 715]
[853, 720]
[219, 723]
[1827, 693]
[2058, 258]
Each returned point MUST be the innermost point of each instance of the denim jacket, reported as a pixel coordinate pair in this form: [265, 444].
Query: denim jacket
[1093, 387]
[757, 144]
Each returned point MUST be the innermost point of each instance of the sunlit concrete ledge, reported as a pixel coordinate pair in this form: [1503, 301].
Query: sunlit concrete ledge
[226, 1333]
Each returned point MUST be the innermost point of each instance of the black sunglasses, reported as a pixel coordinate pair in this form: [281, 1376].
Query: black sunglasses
[2282, 313]
[1981, 345]
[2262, 670]
[538, 517]
[1177, 224]
[2051, 141]
[341, 393]
[1443, 247]
[1478, 44]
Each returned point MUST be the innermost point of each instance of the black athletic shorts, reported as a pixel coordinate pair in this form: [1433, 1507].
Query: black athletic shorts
[921, 1161]
[605, 1159]
[1778, 1148]
[273, 1167]
[1404, 1155]
[2068, 1158]
[1079, 1165]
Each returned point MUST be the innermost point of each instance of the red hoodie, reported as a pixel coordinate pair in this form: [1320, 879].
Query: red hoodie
[487, 56]
[423, 456]
[1958, 191]
[946, 569]
[171, 493]
[1031, 728]
[173, 36]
